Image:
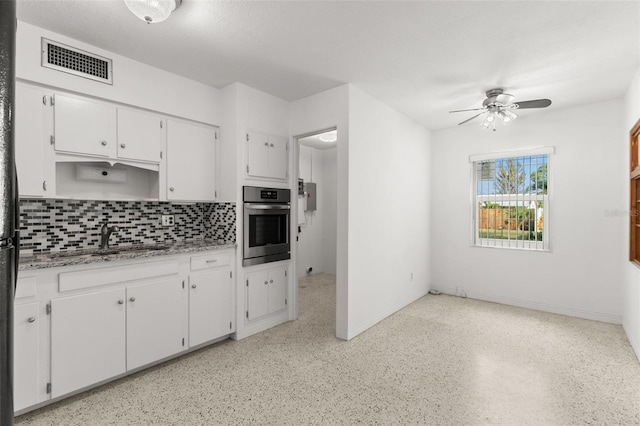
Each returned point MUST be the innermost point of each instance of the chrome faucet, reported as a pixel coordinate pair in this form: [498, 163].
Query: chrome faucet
[105, 233]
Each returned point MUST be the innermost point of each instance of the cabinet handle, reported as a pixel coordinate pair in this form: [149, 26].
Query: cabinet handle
[103, 143]
[266, 282]
[120, 302]
[271, 145]
[212, 261]
[266, 144]
[132, 299]
[44, 185]
[171, 189]
[271, 281]
[193, 286]
[123, 145]
[32, 319]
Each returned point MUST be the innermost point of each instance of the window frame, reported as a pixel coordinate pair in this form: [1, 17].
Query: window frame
[542, 246]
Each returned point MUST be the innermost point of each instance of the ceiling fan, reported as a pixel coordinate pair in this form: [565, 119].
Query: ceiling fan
[500, 105]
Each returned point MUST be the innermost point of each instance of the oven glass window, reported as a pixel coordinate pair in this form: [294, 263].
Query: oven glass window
[267, 230]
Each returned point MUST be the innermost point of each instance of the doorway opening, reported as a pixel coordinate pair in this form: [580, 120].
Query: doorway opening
[315, 224]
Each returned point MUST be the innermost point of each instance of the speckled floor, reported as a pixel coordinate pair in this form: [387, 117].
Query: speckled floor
[442, 360]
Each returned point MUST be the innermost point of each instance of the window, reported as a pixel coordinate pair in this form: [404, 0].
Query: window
[634, 229]
[511, 199]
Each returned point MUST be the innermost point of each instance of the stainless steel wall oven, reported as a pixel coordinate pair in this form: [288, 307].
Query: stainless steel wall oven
[266, 225]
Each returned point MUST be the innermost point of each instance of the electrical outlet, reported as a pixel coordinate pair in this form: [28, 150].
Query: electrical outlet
[167, 220]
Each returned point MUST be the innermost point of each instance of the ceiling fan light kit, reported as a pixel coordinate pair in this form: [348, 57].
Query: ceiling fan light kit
[152, 11]
[499, 105]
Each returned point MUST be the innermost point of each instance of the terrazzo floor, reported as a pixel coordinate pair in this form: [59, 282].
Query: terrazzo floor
[442, 360]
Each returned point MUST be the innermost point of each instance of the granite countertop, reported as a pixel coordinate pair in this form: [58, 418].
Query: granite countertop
[112, 254]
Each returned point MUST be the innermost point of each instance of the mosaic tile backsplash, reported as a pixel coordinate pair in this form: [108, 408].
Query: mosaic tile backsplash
[62, 225]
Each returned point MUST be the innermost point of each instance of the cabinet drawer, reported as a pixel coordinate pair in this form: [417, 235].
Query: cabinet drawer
[209, 261]
[117, 274]
[26, 287]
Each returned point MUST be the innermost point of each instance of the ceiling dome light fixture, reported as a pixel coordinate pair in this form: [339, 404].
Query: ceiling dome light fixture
[152, 11]
[331, 136]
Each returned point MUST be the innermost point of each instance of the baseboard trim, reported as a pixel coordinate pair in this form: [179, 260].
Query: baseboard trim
[538, 306]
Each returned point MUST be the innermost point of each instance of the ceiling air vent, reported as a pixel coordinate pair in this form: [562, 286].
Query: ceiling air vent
[74, 61]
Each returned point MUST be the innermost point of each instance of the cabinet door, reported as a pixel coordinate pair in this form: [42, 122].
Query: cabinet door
[257, 295]
[139, 135]
[30, 139]
[84, 126]
[190, 161]
[209, 306]
[257, 154]
[278, 156]
[155, 321]
[26, 351]
[277, 290]
[87, 340]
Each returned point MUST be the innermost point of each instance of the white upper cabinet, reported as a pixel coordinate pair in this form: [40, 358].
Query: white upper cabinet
[191, 155]
[139, 135]
[30, 139]
[88, 127]
[267, 156]
[257, 154]
[278, 157]
[84, 126]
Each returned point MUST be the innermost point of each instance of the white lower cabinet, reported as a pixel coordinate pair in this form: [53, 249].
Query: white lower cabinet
[155, 321]
[26, 336]
[266, 292]
[87, 339]
[103, 322]
[210, 299]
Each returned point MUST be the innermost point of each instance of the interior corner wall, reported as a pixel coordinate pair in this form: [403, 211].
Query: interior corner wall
[318, 112]
[631, 283]
[581, 276]
[134, 83]
[389, 185]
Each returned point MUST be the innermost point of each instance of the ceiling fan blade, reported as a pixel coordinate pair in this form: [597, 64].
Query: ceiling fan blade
[537, 103]
[464, 110]
[469, 119]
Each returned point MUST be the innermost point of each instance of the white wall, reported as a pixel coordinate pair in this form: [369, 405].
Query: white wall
[631, 286]
[581, 276]
[389, 192]
[328, 201]
[323, 111]
[317, 241]
[134, 83]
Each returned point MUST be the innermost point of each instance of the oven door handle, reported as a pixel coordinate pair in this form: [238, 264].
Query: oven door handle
[267, 206]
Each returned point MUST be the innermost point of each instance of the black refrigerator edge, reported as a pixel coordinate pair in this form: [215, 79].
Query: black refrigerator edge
[9, 214]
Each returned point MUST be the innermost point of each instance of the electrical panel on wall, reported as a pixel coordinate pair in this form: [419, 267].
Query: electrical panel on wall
[310, 196]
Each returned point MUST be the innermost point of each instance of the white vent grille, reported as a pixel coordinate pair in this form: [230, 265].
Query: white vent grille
[74, 61]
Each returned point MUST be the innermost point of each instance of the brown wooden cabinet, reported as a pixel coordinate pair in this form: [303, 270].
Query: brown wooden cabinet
[634, 187]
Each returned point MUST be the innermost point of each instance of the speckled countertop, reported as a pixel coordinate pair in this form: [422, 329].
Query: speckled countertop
[85, 257]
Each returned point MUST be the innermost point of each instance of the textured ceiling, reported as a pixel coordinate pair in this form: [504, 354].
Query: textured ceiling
[423, 58]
